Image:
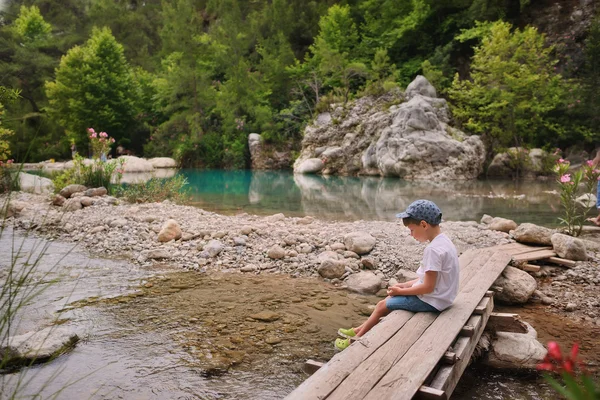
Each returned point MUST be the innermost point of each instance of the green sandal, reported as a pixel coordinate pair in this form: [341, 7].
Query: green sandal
[347, 333]
[342, 344]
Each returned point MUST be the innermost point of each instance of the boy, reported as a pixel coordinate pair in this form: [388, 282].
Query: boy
[437, 283]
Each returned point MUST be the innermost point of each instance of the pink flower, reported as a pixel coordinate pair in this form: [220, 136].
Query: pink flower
[1, 163]
[10, 162]
[93, 135]
[91, 130]
[590, 163]
[112, 140]
[565, 178]
[103, 134]
[561, 160]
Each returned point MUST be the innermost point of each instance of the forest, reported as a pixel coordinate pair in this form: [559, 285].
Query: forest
[191, 79]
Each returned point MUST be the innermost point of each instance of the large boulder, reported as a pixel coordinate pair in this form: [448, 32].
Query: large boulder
[309, 166]
[504, 164]
[517, 286]
[331, 268]
[410, 139]
[69, 190]
[163, 162]
[534, 234]
[35, 184]
[515, 350]
[569, 247]
[365, 282]
[502, 224]
[136, 164]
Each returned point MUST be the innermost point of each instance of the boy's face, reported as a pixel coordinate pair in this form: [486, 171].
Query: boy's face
[419, 231]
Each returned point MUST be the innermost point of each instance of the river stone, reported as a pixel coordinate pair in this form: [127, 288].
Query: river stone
[249, 268]
[569, 247]
[58, 200]
[163, 162]
[331, 269]
[39, 346]
[68, 191]
[404, 275]
[155, 254]
[72, 204]
[516, 350]
[135, 164]
[306, 220]
[96, 192]
[86, 201]
[309, 166]
[365, 282]
[359, 242]
[118, 223]
[368, 262]
[502, 224]
[246, 230]
[276, 252]
[531, 233]
[213, 248]
[486, 219]
[169, 231]
[517, 286]
[35, 184]
[240, 240]
[266, 316]
[328, 255]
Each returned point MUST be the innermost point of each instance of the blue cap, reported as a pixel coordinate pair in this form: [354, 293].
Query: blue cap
[423, 210]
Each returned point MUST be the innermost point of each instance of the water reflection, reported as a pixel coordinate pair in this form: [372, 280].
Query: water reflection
[368, 198]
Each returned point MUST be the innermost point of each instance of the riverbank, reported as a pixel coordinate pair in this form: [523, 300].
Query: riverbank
[255, 245]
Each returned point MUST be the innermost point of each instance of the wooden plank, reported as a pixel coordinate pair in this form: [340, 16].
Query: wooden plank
[404, 378]
[312, 366]
[330, 375]
[530, 267]
[536, 255]
[489, 293]
[529, 249]
[448, 376]
[367, 374]
[505, 322]
[482, 306]
[562, 261]
[429, 393]
[471, 326]
[507, 247]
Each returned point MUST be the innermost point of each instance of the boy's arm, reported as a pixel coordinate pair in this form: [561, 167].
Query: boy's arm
[406, 284]
[426, 287]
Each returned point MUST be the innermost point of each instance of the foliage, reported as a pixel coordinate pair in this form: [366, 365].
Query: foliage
[578, 384]
[156, 190]
[9, 177]
[96, 173]
[101, 143]
[95, 86]
[512, 91]
[574, 213]
[31, 25]
[518, 160]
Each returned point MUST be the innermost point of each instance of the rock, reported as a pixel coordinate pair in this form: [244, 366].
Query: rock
[135, 164]
[392, 282]
[517, 286]
[38, 346]
[96, 192]
[515, 350]
[365, 282]
[420, 85]
[306, 220]
[331, 269]
[276, 252]
[266, 316]
[587, 200]
[155, 254]
[569, 247]
[68, 191]
[118, 223]
[486, 219]
[73, 204]
[328, 255]
[96, 229]
[404, 275]
[571, 307]
[35, 184]
[534, 234]
[163, 162]
[169, 231]
[266, 156]
[276, 217]
[359, 242]
[240, 240]
[369, 262]
[86, 201]
[502, 224]
[249, 268]
[246, 230]
[309, 166]
[213, 248]
[58, 200]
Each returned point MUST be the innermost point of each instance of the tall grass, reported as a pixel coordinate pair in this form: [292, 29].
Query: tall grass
[156, 190]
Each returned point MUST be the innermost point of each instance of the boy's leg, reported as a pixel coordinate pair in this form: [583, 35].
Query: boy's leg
[380, 311]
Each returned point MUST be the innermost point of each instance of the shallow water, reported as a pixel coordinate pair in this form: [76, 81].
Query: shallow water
[368, 198]
[164, 334]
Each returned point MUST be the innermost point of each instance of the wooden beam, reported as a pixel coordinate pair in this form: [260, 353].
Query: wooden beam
[482, 306]
[429, 393]
[489, 293]
[311, 366]
[505, 322]
[449, 357]
[530, 267]
[535, 255]
[562, 261]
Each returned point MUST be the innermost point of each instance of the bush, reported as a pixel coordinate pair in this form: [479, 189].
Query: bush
[9, 177]
[156, 190]
[97, 174]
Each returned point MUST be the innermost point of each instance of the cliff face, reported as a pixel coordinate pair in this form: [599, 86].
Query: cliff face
[410, 139]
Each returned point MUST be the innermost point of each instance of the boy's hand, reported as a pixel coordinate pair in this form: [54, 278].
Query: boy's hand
[403, 285]
[394, 291]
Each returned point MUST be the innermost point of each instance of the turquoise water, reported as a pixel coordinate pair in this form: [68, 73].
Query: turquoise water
[368, 198]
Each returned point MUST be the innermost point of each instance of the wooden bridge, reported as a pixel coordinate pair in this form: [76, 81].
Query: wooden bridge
[419, 355]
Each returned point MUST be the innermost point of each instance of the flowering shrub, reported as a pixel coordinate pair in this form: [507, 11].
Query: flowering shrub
[578, 385]
[101, 143]
[96, 174]
[570, 184]
[8, 177]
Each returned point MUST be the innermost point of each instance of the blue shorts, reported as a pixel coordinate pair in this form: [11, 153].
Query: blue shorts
[409, 303]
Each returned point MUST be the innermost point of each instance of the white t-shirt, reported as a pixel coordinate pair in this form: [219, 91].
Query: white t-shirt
[440, 255]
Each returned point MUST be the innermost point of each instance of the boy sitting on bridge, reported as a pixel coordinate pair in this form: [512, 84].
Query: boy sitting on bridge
[438, 276]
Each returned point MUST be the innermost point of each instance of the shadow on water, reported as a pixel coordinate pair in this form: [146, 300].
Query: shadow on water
[368, 198]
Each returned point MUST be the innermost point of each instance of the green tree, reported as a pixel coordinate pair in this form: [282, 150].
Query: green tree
[513, 89]
[6, 95]
[31, 25]
[94, 87]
